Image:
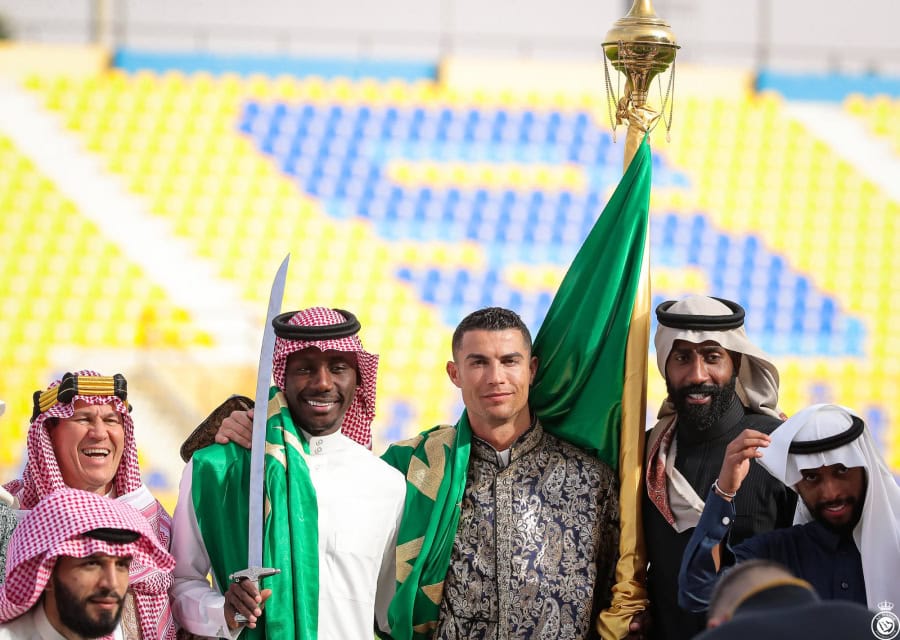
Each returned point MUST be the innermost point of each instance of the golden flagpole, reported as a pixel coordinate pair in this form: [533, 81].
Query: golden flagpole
[640, 45]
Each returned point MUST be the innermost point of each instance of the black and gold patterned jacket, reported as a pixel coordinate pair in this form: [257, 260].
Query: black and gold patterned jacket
[537, 544]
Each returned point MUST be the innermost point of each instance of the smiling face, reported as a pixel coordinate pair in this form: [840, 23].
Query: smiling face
[85, 595]
[494, 370]
[700, 379]
[88, 446]
[319, 387]
[834, 495]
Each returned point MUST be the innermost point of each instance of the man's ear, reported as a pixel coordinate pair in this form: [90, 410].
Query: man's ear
[533, 366]
[453, 372]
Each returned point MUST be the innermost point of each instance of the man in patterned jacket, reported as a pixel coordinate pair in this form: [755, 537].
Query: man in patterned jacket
[511, 532]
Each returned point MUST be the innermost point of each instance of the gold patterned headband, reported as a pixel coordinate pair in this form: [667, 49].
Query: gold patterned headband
[72, 385]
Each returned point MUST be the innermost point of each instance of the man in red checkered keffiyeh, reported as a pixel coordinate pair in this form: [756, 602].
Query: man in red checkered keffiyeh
[71, 561]
[43, 474]
[82, 436]
[323, 329]
[357, 424]
[328, 500]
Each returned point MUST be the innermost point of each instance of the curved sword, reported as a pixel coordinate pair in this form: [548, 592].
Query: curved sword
[255, 570]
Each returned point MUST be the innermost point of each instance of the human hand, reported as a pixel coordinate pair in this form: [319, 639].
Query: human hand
[639, 627]
[237, 428]
[246, 599]
[738, 454]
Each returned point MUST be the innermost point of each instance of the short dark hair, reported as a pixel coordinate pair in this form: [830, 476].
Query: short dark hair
[739, 581]
[490, 319]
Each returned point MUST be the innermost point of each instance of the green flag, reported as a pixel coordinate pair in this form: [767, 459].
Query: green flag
[577, 392]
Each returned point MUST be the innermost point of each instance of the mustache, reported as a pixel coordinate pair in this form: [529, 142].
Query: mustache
[321, 397]
[825, 504]
[107, 593]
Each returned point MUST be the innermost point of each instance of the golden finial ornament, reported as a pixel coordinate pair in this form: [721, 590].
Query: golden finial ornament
[641, 46]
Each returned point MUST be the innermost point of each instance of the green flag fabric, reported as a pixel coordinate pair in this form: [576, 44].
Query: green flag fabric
[576, 394]
[220, 490]
[577, 391]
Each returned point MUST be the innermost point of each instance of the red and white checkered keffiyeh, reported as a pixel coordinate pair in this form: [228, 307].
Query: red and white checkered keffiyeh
[43, 477]
[357, 423]
[55, 527]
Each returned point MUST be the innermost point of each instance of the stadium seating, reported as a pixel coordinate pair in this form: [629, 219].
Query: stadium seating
[881, 115]
[66, 285]
[412, 204]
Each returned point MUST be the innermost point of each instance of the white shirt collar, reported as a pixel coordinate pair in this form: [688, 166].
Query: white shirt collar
[322, 445]
[42, 623]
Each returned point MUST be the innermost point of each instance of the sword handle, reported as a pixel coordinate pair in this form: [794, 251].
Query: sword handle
[240, 618]
[254, 575]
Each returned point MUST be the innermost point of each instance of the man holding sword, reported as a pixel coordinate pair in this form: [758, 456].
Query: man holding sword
[330, 510]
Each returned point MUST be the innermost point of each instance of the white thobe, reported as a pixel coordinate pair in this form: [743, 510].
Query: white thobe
[34, 625]
[360, 501]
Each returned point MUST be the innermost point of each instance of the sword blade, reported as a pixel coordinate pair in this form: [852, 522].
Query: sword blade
[260, 411]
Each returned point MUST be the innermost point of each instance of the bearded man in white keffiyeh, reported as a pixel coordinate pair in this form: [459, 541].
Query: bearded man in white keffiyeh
[719, 383]
[82, 436]
[846, 538]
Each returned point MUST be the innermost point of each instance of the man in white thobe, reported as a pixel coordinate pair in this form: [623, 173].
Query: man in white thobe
[325, 400]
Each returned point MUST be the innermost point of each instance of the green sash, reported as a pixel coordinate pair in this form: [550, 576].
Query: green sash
[435, 463]
[221, 480]
[576, 393]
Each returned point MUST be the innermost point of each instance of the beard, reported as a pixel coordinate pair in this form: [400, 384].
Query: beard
[818, 513]
[702, 417]
[73, 612]
[844, 528]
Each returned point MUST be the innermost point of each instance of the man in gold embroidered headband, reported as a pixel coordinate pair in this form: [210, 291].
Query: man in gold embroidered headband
[82, 436]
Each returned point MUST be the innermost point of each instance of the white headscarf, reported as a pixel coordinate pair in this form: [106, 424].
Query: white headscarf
[756, 387]
[757, 381]
[877, 534]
